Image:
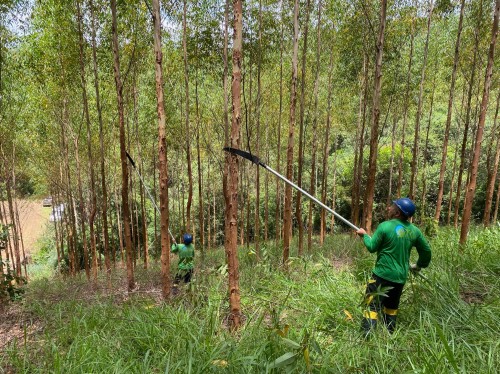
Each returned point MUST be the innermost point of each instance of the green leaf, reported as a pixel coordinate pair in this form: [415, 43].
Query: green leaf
[286, 359]
[316, 347]
[291, 343]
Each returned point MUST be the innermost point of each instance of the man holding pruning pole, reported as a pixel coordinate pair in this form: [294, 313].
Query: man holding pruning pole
[392, 241]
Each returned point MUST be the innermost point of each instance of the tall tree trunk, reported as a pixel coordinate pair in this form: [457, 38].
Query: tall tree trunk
[93, 205]
[406, 104]
[123, 157]
[471, 187]
[201, 219]
[188, 130]
[287, 217]
[360, 143]
[326, 151]
[162, 152]
[426, 151]
[452, 185]
[372, 165]
[416, 139]
[312, 188]
[334, 186]
[298, 196]
[442, 170]
[492, 170]
[16, 258]
[391, 162]
[277, 218]
[257, 177]
[104, 201]
[231, 172]
[467, 120]
[82, 208]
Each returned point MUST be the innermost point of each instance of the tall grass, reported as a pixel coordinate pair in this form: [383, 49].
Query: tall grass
[304, 318]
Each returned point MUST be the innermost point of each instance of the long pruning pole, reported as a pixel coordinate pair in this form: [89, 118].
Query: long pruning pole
[147, 190]
[257, 161]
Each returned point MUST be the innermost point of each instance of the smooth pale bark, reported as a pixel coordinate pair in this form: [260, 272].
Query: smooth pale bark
[104, 188]
[471, 187]
[452, 185]
[442, 169]
[82, 209]
[468, 106]
[298, 196]
[257, 150]
[123, 157]
[232, 173]
[93, 201]
[188, 127]
[312, 188]
[326, 151]
[423, 199]
[391, 162]
[416, 139]
[277, 219]
[372, 164]
[142, 193]
[405, 108]
[162, 152]
[360, 143]
[287, 217]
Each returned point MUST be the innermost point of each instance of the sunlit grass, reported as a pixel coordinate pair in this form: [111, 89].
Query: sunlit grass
[309, 311]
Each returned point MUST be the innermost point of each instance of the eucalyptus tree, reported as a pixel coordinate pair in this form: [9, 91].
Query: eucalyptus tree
[468, 110]
[312, 184]
[471, 187]
[162, 153]
[442, 170]
[104, 188]
[287, 216]
[231, 172]
[300, 158]
[416, 138]
[123, 157]
[372, 167]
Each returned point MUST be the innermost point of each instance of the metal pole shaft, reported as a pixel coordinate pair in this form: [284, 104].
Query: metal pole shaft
[348, 223]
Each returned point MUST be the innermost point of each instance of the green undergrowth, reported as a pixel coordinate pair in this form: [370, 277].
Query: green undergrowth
[303, 318]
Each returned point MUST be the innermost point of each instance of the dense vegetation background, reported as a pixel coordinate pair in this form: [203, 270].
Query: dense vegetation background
[393, 98]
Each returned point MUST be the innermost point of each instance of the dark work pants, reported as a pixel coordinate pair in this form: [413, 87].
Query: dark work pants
[184, 275]
[379, 304]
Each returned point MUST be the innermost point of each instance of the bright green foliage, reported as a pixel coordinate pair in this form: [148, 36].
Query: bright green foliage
[303, 320]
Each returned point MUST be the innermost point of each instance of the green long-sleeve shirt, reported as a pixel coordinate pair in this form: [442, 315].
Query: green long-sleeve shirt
[186, 255]
[393, 241]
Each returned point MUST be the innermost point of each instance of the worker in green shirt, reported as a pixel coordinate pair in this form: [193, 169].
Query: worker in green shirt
[392, 241]
[186, 259]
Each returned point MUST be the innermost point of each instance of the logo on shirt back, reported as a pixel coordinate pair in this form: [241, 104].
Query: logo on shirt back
[400, 231]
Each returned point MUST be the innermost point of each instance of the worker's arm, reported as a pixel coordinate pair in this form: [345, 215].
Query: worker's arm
[372, 244]
[174, 248]
[424, 251]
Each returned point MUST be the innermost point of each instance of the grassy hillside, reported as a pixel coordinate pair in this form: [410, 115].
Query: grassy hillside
[304, 319]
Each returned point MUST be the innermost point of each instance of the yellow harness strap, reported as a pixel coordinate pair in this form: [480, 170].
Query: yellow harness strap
[390, 312]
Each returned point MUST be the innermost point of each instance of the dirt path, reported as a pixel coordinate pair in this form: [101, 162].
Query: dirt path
[13, 323]
[34, 219]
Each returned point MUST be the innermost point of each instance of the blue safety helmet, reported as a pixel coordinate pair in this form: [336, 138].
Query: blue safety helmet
[187, 239]
[406, 206]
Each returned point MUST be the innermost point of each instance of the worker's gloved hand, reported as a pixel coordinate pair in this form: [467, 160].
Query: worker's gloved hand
[173, 246]
[415, 268]
[361, 232]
